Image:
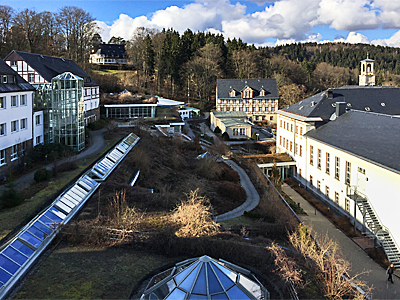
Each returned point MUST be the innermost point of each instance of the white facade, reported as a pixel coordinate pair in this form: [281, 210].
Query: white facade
[38, 129]
[15, 125]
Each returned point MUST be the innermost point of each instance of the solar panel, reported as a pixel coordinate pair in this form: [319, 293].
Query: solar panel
[61, 206]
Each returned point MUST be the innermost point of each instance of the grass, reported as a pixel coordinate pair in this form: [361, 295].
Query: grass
[90, 273]
[10, 218]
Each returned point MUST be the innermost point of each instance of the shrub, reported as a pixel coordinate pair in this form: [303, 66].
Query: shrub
[99, 124]
[11, 198]
[232, 190]
[42, 175]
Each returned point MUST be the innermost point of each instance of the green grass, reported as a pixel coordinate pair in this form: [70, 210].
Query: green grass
[90, 273]
[10, 218]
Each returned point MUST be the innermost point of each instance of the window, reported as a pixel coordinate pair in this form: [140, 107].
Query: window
[328, 162]
[271, 118]
[38, 139]
[2, 157]
[337, 167]
[291, 127]
[280, 140]
[2, 102]
[31, 78]
[272, 108]
[5, 79]
[311, 183]
[284, 124]
[22, 100]
[297, 129]
[14, 126]
[235, 131]
[2, 129]
[311, 155]
[280, 124]
[242, 131]
[361, 170]
[319, 185]
[247, 109]
[291, 146]
[262, 93]
[284, 144]
[327, 191]
[299, 173]
[319, 159]
[14, 152]
[301, 130]
[260, 108]
[22, 149]
[38, 120]
[23, 123]
[348, 170]
[14, 102]
[232, 93]
[295, 148]
[347, 206]
[13, 63]
[301, 150]
[254, 108]
[337, 197]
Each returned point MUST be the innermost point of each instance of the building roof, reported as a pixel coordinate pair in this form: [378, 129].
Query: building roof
[234, 122]
[205, 278]
[229, 114]
[384, 100]
[19, 85]
[369, 136]
[111, 50]
[225, 86]
[168, 102]
[49, 66]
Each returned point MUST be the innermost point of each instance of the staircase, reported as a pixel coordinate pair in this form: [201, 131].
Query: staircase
[375, 227]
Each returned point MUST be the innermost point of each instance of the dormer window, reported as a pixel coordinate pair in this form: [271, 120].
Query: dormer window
[4, 78]
[262, 93]
[232, 93]
[248, 93]
[13, 63]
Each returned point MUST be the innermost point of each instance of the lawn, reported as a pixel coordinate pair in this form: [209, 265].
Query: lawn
[90, 273]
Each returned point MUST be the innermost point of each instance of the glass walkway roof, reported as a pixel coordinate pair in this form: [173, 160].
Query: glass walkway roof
[20, 252]
[205, 278]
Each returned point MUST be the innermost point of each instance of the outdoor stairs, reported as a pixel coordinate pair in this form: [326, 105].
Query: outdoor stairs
[376, 227]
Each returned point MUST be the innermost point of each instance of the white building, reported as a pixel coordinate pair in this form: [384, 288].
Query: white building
[16, 110]
[345, 144]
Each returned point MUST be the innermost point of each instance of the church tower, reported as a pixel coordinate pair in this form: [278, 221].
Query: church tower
[367, 75]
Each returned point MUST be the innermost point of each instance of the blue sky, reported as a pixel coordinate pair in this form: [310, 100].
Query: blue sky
[254, 21]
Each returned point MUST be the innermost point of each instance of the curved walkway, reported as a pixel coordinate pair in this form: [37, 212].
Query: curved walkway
[252, 196]
[97, 143]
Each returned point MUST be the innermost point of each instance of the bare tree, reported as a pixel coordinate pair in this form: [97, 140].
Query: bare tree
[28, 27]
[245, 63]
[6, 15]
[78, 28]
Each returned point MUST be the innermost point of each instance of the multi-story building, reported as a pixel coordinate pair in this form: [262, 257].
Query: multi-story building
[109, 54]
[16, 117]
[258, 98]
[345, 144]
[66, 97]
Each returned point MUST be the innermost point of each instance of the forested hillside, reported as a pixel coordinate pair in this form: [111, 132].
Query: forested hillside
[185, 66]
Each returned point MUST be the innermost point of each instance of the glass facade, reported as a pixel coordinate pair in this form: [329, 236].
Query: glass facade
[67, 117]
[131, 112]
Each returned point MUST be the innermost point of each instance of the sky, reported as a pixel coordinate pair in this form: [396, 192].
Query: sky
[258, 22]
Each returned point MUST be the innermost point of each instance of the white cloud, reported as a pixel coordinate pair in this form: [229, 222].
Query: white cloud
[283, 20]
[353, 38]
[393, 41]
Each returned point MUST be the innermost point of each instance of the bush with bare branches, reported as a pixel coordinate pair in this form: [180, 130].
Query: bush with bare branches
[193, 216]
[332, 271]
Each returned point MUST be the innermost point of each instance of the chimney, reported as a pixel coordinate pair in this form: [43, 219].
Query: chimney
[340, 108]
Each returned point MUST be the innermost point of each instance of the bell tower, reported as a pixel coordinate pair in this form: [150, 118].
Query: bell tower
[367, 74]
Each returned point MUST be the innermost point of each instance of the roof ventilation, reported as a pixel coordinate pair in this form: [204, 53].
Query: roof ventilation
[367, 109]
[41, 56]
[340, 108]
[301, 107]
[312, 103]
[348, 104]
[333, 104]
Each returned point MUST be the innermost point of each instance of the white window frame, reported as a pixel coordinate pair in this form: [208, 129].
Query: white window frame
[31, 78]
[23, 124]
[14, 100]
[38, 120]
[2, 157]
[14, 126]
[3, 102]
[14, 152]
[23, 100]
[3, 129]
[242, 131]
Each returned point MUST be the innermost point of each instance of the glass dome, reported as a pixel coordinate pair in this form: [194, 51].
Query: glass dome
[205, 278]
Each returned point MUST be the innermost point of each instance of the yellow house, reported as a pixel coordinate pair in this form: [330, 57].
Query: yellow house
[234, 123]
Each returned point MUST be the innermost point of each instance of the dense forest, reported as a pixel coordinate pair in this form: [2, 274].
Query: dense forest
[186, 66]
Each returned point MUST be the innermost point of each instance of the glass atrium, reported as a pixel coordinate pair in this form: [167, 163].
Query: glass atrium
[67, 117]
[205, 278]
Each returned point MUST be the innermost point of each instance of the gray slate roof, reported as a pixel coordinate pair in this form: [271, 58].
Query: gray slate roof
[50, 66]
[370, 136]
[112, 50]
[20, 83]
[225, 86]
[385, 100]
